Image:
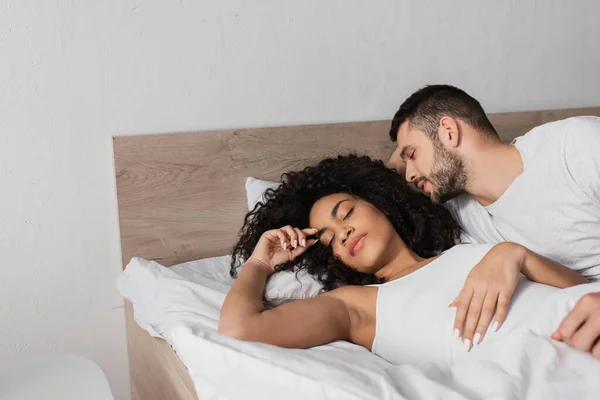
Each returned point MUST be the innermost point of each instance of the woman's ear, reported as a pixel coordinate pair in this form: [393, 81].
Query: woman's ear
[449, 132]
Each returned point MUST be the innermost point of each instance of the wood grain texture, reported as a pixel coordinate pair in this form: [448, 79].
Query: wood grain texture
[181, 197]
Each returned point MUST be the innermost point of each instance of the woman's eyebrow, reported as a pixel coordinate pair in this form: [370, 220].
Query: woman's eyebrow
[334, 211]
[335, 208]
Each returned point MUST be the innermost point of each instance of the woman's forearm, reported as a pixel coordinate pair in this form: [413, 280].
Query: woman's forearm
[245, 299]
[540, 269]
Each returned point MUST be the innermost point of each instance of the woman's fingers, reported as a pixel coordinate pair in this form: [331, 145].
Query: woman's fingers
[283, 238]
[301, 249]
[462, 306]
[472, 318]
[281, 245]
[303, 243]
[501, 310]
[487, 312]
[294, 238]
[299, 244]
[474, 313]
[309, 232]
[301, 237]
[292, 235]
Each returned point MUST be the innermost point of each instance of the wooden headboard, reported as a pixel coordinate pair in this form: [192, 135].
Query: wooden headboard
[182, 197]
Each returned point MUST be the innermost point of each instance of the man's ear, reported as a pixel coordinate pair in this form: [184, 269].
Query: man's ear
[449, 132]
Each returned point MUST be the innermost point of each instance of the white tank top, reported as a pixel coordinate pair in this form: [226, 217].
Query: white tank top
[414, 323]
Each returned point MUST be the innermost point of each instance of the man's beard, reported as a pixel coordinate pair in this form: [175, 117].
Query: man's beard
[448, 176]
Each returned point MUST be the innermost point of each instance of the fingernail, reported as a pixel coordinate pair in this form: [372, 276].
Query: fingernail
[284, 245]
[456, 333]
[303, 242]
[476, 339]
[295, 243]
[467, 343]
[495, 326]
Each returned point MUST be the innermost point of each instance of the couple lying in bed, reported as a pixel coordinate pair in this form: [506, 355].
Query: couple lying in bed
[542, 192]
[387, 257]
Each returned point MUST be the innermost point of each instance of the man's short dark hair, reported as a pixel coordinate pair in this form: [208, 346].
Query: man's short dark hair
[424, 109]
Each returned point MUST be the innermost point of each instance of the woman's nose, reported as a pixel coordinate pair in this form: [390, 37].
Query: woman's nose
[347, 231]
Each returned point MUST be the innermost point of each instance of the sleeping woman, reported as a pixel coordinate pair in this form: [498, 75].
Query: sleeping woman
[388, 263]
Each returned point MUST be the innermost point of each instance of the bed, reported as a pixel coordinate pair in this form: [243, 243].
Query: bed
[181, 197]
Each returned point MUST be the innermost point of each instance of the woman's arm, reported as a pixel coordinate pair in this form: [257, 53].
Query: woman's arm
[491, 283]
[540, 269]
[298, 324]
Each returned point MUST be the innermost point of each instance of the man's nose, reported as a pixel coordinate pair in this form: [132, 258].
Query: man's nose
[410, 174]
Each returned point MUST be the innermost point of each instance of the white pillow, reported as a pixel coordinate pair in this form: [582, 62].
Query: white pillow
[255, 189]
[283, 286]
[286, 286]
[162, 295]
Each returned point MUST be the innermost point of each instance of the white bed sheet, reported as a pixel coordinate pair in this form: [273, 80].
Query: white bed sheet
[182, 303]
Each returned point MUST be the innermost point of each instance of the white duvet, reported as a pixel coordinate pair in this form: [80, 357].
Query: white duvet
[182, 303]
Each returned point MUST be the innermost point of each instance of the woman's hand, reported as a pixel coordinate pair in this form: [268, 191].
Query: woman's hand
[279, 246]
[488, 289]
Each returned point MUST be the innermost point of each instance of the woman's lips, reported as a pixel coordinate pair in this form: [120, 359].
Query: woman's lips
[357, 244]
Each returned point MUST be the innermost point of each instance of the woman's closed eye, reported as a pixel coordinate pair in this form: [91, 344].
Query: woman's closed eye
[349, 213]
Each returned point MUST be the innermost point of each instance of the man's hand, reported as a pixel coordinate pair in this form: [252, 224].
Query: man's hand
[581, 327]
[488, 289]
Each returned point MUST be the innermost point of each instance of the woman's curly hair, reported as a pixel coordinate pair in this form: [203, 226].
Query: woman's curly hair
[426, 228]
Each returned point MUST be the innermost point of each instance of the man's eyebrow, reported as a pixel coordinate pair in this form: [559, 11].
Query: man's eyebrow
[335, 208]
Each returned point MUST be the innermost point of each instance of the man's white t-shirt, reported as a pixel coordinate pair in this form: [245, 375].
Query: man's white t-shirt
[553, 207]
